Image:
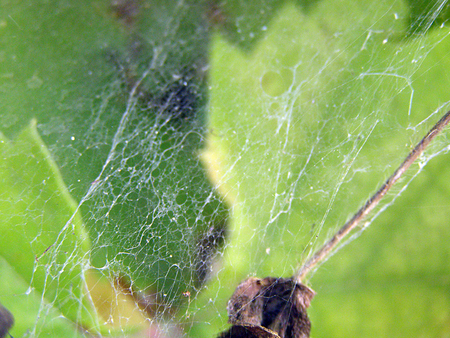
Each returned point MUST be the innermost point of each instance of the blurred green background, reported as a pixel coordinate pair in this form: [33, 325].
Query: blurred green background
[205, 141]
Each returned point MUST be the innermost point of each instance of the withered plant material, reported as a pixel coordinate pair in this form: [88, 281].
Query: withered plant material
[269, 307]
[248, 331]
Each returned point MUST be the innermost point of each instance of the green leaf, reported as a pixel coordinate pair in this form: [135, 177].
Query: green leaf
[303, 129]
[26, 305]
[130, 158]
[312, 105]
[43, 238]
[44, 250]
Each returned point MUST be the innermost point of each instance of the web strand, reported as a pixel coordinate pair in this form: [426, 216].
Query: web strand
[373, 201]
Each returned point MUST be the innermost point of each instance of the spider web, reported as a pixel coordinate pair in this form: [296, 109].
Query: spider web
[204, 142]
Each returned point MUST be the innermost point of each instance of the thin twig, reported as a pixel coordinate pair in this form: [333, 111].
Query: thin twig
[372, 202]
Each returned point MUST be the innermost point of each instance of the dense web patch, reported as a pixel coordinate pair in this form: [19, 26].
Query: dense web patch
[169, 178]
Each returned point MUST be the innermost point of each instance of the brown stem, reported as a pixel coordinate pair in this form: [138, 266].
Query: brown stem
[373, 201]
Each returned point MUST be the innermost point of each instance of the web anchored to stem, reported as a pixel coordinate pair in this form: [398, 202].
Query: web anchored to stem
[277, 307]
[373, 201]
